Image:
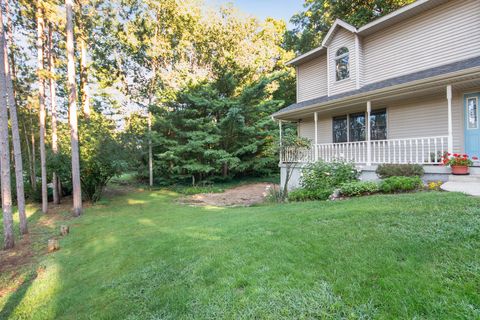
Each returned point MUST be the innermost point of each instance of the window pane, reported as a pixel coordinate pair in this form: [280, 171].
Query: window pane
[342, 70]
[340, 129]
[378, 125]
[342, 51]
[472, 114]
[357, 127]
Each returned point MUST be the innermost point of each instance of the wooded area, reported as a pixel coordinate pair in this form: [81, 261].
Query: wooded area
[174, 90]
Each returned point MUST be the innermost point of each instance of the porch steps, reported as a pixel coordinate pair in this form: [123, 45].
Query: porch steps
[469, 184]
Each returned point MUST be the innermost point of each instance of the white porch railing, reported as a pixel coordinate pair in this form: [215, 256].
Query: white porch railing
[424, 150]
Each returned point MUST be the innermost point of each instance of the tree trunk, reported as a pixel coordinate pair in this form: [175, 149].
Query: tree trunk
[150, 152]
[34, 155]
[17, 147]
[84, 78]
[9, 43]
[53, 101]
[72, 102]
[6, 193]
[41, 103]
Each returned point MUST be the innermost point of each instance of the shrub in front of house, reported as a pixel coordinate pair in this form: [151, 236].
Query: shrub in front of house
[328, 175]
[320, 179]
[302, 194]
[400, 184]
[399, 170]
[359, 188]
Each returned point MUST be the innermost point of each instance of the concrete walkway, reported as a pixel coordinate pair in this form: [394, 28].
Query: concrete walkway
[469, 184]
[470, 188]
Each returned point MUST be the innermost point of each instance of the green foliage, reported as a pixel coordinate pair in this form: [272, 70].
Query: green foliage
[400, 184]
[323, 175]
[313, 23]
[399, 170]
[198, 189]
[211, 130]
[100, 155]
[359, 188]
[302, 194]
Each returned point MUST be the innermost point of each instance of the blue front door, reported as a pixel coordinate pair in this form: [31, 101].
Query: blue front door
[472, 125]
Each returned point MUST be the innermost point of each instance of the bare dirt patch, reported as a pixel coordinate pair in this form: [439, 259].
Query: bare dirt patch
[245, 195]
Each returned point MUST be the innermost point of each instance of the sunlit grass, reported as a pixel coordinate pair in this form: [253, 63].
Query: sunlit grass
[144, 256]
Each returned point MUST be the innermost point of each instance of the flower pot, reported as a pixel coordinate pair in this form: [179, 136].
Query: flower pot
[460, 170]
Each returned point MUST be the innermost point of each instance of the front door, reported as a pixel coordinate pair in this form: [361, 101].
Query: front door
[472, 125]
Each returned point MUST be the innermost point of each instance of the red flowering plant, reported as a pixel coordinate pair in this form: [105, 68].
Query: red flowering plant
[456, 159]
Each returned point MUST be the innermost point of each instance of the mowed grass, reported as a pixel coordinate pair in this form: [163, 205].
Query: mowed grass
[144, 256]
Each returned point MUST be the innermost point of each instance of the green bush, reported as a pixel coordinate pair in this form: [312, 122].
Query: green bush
[308, 195]
[399, 170]
[358, 188]
[323, 175]
[400, 184]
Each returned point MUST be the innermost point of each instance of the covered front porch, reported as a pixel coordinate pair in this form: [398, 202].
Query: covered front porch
[416, 126]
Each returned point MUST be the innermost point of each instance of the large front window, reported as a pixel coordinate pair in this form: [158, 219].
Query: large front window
[342, 64]
[340, 129]
[357, 127]
[378, 125]
[352, 127]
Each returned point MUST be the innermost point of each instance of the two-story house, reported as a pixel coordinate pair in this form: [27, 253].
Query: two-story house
[404, 88]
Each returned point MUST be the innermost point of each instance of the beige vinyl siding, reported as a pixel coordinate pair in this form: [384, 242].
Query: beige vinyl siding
[342, 38]
[426, 117]
[325, 129]
[306, 129]
[312, 79]
[445, 34]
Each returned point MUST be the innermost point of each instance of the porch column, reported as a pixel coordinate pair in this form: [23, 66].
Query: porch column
[369, 145]
[450, 125]
[315, 117]
[280, 140]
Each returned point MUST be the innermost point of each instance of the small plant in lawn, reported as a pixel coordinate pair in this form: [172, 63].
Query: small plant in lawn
[359, 188]
[434, 185]
[400, 184]
[399, 170]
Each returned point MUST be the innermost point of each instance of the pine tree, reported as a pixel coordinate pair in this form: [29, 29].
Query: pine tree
[6, 194]
[17, 148]
[72, 102]
[41, 101]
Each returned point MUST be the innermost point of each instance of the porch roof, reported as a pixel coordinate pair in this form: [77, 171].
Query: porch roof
[416, 78]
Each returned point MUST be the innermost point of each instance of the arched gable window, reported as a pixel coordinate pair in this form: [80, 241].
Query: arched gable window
[342, 64]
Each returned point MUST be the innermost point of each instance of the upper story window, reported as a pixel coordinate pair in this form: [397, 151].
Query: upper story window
[342, 64]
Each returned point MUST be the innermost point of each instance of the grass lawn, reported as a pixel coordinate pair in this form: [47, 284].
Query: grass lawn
[143, 256]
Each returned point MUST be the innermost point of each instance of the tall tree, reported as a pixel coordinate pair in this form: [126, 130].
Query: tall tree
[17, 148]
[41, 103]
[72, 102]
[53, 110]
[82, 40]
[312, 24]
[6, 193]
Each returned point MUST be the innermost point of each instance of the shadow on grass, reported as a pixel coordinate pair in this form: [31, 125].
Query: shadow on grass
[16, 298]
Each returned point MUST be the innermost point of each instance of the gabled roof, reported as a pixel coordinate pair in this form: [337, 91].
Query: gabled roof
[411, 78]
[372, 27]
[331, 32]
